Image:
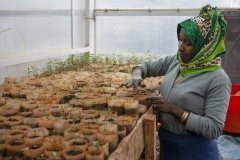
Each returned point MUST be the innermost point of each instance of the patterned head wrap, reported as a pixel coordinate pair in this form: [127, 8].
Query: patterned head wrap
[206, 32]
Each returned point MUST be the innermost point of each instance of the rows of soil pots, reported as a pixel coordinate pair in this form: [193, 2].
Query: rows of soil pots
[76, 115]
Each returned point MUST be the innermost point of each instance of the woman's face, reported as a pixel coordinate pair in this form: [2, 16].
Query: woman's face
[185, 47]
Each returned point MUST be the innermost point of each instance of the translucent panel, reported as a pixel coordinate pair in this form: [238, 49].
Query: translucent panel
[144, 34]
[31, 34]
[35, 4]
[79, 32]
[164, 3]
[79, 24]
[32, 27]
[137, 34]
[80, 4]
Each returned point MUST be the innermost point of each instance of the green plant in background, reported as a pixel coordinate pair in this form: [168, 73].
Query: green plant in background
[49, 67]
[84, 59]
[107, 59]
[59, 65]
[33, 71]
[96, 58]
[76, 61]
[120, 59]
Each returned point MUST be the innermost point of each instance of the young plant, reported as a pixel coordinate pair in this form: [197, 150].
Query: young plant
[33, 71]
[95, 144]
[54, 132]
[76, 150]
[109, 110]
[56, 156]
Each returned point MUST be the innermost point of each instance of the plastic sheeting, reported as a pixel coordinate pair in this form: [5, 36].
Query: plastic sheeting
[144, 34]
[35, 27]
[229, 147]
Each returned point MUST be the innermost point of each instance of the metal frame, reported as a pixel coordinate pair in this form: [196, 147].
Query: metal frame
[72, 22]
[145, 12]
[152, 12]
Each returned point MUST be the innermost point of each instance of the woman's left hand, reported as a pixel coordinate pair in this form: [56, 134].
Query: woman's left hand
[160, 104]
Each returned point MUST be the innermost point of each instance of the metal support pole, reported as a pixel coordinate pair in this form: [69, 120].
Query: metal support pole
[90, 25]
[72, 23]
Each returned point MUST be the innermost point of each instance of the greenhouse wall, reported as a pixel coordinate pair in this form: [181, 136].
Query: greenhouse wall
[31, 32]
[146, 30]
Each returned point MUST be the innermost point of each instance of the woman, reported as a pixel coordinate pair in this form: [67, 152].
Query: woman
[195, 91]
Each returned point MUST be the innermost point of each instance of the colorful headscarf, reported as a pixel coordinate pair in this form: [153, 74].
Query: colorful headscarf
[206, 32]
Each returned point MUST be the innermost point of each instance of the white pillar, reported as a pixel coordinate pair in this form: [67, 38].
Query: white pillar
[90, 25]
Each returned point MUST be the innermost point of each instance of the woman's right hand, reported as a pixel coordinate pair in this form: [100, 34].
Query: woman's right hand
[135, 81]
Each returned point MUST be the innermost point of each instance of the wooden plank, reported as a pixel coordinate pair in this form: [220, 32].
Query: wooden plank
[149, 127]
[131, 147]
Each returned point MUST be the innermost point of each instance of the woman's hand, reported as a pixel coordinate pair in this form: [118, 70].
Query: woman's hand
[160, 104]
[136, 80]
